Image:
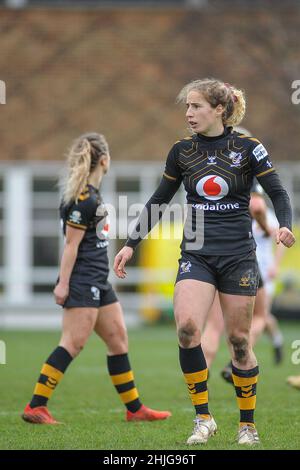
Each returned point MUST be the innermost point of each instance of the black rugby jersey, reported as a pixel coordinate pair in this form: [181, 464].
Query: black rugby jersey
[89, 214]
[217, 173]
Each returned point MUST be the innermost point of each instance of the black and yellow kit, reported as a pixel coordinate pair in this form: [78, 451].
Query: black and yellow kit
[89, 286]
[217, 174]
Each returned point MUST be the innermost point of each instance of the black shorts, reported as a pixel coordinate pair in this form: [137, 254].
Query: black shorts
[87, 295]
[260, 280]
[235, 274]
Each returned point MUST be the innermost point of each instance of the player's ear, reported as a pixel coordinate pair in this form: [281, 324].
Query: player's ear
[219, 110]
[104, 162]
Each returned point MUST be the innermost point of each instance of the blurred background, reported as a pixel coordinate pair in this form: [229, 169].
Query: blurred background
[67, 67]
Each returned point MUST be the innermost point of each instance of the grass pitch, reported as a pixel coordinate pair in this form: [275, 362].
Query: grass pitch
[87, 403]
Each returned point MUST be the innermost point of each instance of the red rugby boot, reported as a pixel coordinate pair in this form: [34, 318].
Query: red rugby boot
[38, 415]
[146, 414]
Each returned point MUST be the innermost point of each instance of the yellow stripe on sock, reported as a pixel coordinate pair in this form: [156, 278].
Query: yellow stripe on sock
[196, 377]
[120, 379]
[247, 403]
[43, 390]
[199, 398]
[244, 381]
[129, 396]
[52, 372]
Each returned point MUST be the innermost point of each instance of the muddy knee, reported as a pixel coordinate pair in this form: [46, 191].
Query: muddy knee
[240, 347]
[186, 333]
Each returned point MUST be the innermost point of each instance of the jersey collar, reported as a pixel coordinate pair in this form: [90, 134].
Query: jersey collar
[204, 138]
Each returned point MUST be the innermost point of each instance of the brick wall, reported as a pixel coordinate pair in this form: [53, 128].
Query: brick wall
[119, 71]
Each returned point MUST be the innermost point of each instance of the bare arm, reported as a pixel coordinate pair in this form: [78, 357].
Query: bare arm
[278, 254]
[258, 211]
[74, 237]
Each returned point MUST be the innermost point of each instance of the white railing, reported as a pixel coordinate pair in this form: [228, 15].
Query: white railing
[30, 229]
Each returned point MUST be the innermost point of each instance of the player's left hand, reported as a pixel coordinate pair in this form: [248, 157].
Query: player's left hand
[61, 293]
[285, 236]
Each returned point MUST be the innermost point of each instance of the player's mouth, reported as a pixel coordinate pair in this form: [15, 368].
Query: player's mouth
[192, 124]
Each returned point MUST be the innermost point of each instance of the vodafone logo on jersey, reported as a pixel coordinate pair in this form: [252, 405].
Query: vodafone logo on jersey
[212, 187]
[103, 228]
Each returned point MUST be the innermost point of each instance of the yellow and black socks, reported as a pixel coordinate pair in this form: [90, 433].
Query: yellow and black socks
[194, 368]
[245, 387]
[51, 374]
[122, 377]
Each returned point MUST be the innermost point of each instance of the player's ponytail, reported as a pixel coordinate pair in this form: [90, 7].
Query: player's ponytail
[217, 92]
[79, 162]
[235, 108]
[82, 159]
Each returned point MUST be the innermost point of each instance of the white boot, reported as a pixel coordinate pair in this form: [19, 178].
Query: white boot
[203, 430]
[248, 435]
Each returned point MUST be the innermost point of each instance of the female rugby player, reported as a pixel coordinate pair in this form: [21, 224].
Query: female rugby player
[216, 166]
[89, 301]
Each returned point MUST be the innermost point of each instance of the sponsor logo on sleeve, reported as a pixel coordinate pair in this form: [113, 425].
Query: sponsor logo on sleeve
[260, 152]
[75, 217]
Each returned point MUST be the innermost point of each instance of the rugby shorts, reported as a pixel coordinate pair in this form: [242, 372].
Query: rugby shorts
[87, 295]
[230, 274]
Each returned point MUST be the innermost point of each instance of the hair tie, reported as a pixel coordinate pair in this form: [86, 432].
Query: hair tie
[230, 87]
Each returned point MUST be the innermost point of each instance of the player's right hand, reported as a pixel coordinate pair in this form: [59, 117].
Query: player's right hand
[61, 293]
[285, 236]
[121, 259]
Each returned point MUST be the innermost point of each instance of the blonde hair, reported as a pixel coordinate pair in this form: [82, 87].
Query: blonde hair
[82, 159]
[242, 130]
[217, 92]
